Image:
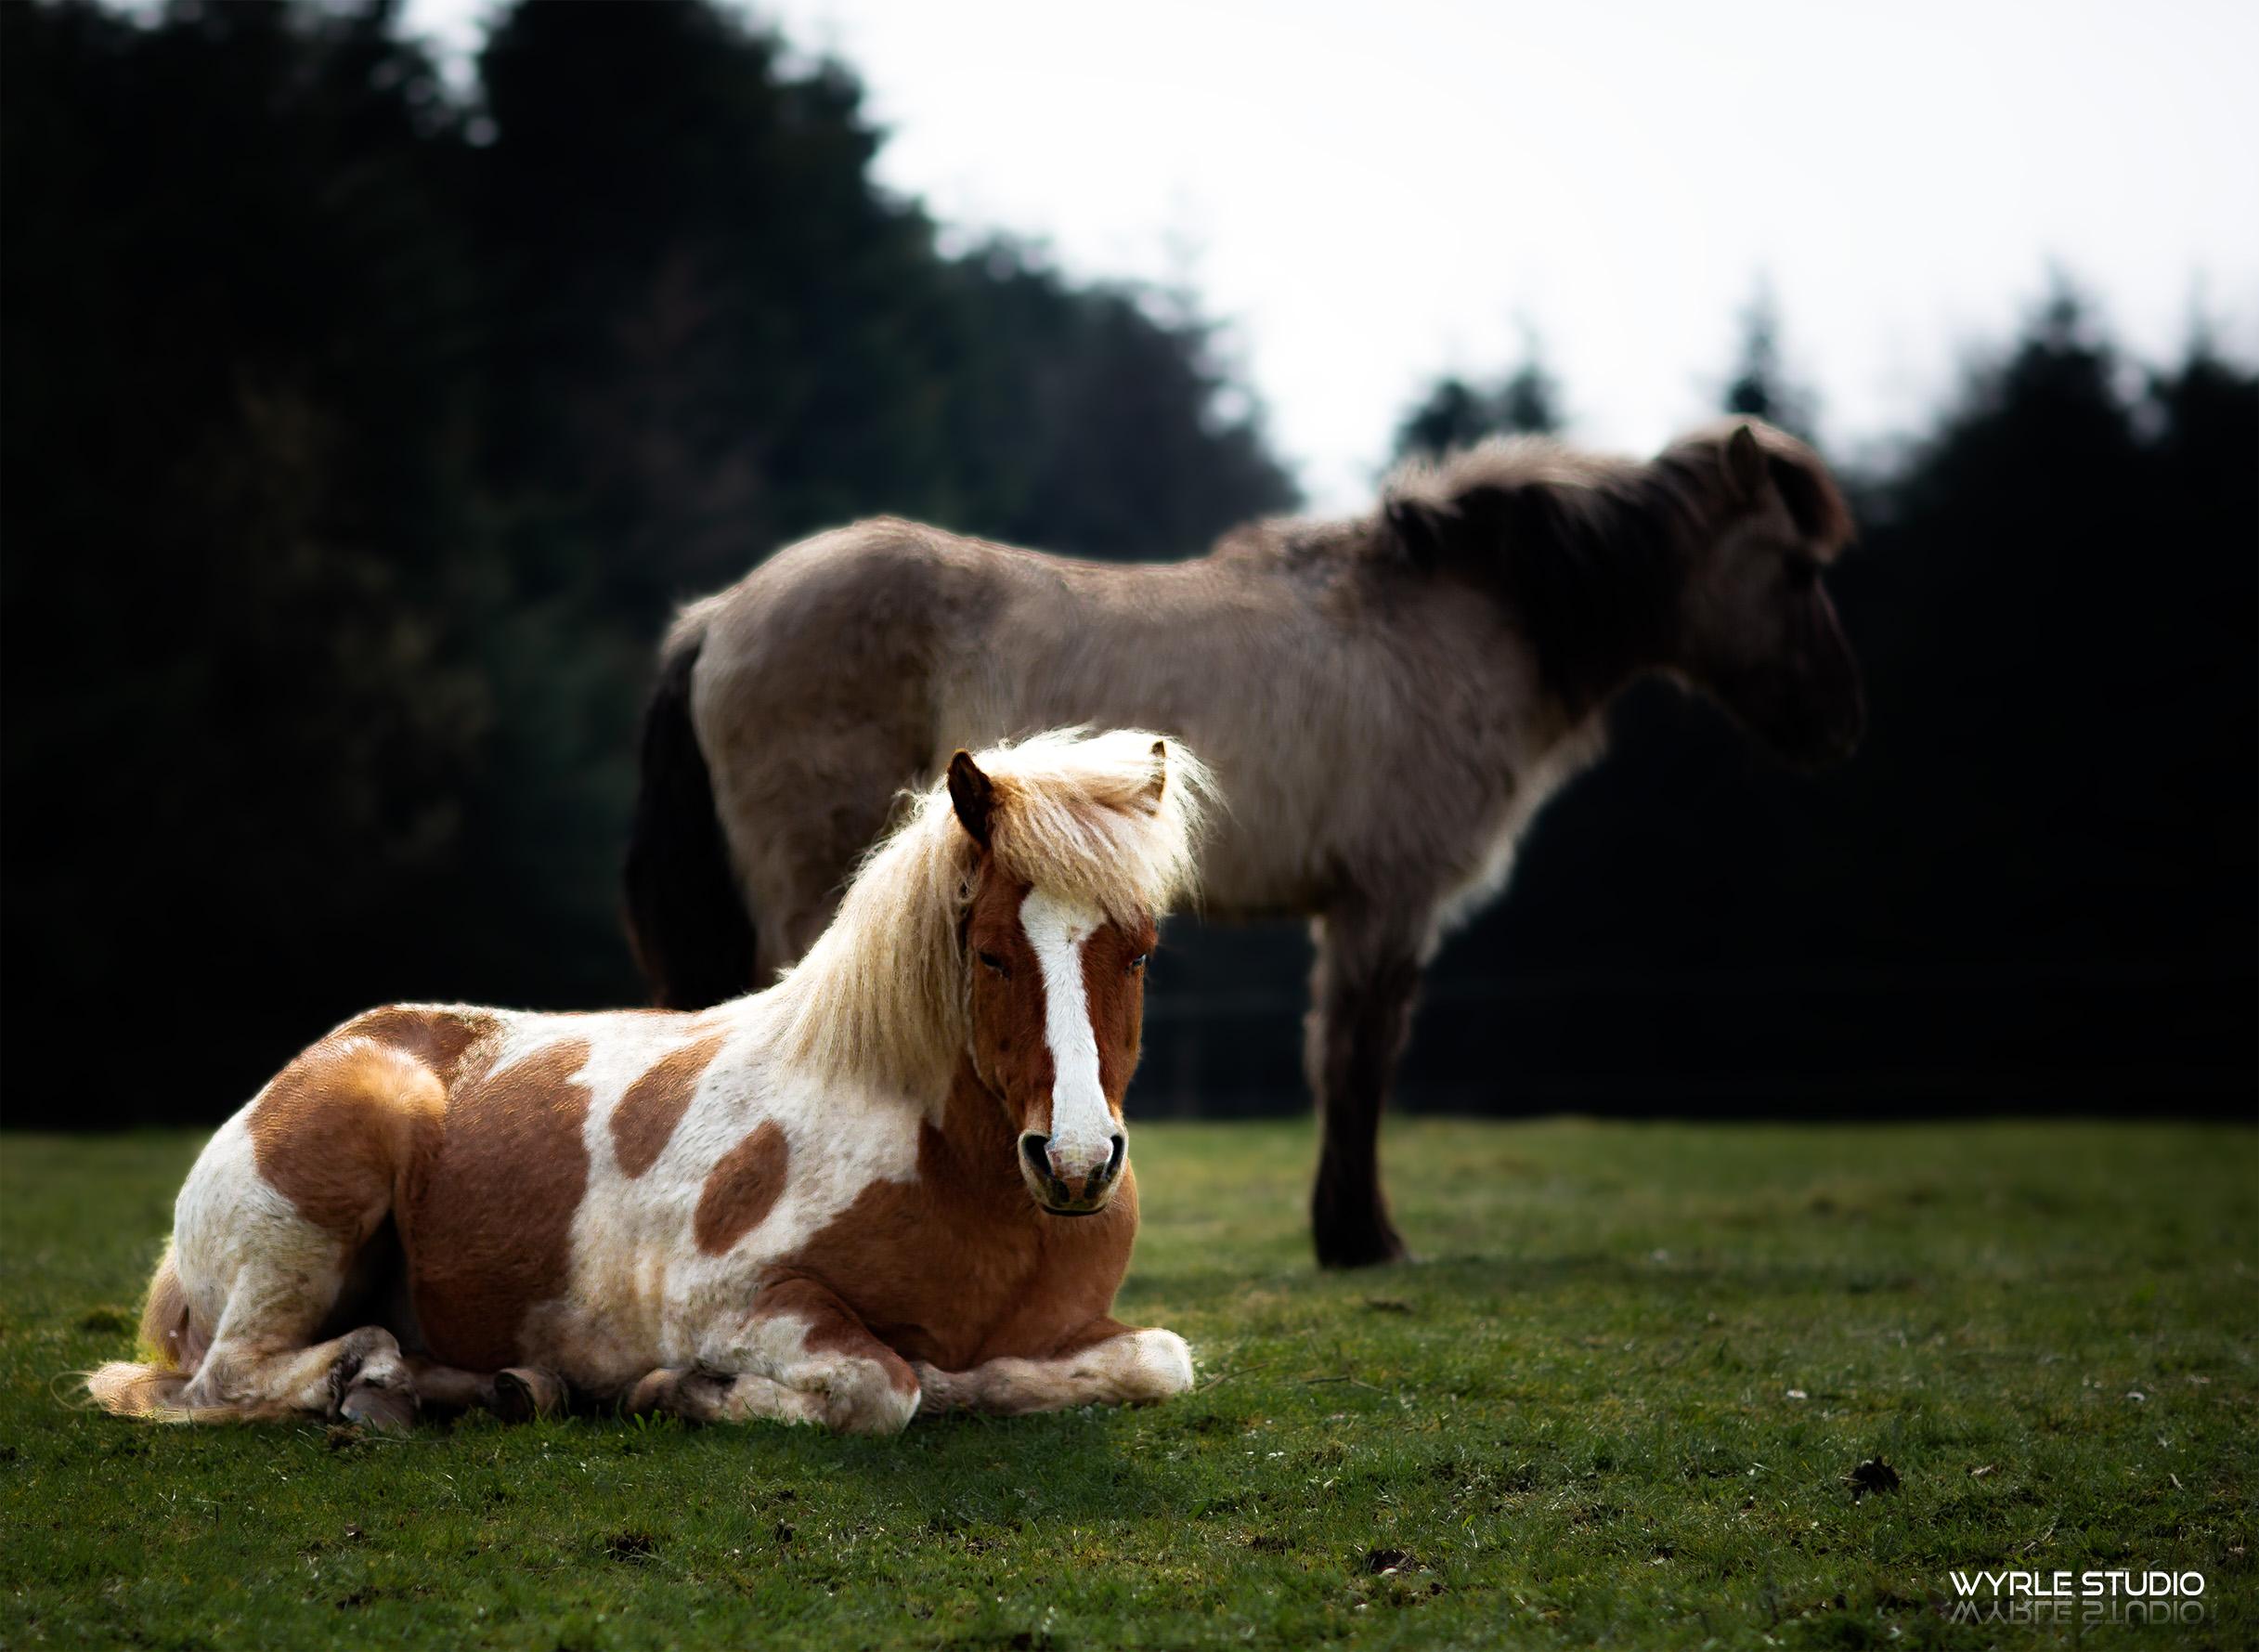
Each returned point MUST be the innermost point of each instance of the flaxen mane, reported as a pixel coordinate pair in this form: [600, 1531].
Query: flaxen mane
[1111, 820]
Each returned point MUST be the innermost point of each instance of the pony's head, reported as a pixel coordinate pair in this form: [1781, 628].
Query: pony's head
[1704, 564]
[1755, 628]
[1056, 984]
[1007, 923]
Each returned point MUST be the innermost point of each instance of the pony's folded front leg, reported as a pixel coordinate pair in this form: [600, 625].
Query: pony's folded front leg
[702, 1394]
[1110, 1364]
[801, 1357]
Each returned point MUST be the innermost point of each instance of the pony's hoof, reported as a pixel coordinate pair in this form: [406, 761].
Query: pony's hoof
[695, 1395]
[1360, 1247]
[659, 1393]
[524, 1392]
[937, 1390]
[391, 1410]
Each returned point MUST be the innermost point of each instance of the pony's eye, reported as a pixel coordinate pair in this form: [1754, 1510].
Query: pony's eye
[988, 961]
[1136, 964]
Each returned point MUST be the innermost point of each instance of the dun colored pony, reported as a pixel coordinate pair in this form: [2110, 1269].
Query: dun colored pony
[1387, 700]
[896, 1179]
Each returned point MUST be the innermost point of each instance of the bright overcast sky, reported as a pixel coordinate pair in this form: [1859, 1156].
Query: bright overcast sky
[1370, 195]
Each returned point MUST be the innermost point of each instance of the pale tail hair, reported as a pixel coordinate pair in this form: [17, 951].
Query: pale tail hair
[153, 1387]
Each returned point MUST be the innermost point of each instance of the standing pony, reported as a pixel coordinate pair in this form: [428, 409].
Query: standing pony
[898, 1178]
[1387, 700]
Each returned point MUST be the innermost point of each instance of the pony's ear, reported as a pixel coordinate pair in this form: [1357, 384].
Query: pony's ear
[1423, 529]
[1160, 781]
[973, 795]
[1745, 465]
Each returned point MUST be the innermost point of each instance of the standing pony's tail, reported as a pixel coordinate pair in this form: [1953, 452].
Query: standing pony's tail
[172, 1347]
[686, 917]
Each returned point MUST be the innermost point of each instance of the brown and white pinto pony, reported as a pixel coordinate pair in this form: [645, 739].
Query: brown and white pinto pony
[897, 1179]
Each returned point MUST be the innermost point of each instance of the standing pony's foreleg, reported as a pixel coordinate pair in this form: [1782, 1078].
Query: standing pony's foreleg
[1361, 992]
[801, 1357]
[1113, 1365]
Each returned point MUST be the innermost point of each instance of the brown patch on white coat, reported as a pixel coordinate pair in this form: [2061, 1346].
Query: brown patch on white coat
[727, 1215]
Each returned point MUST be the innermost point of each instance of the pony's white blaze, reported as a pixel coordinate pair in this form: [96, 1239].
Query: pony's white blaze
[1081, 1125]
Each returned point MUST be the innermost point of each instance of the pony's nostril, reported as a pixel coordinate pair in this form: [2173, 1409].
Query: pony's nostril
[1036, 1151]
[1113, 1162]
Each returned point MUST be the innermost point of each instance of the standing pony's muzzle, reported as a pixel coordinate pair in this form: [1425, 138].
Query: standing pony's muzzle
[1068, 1183]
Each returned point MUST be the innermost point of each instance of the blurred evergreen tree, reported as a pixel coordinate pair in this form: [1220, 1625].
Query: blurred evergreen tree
[1759, 386]
[356, 439]
[2034, 879]
[1529, 402]
[240, 717]
[1456, 414]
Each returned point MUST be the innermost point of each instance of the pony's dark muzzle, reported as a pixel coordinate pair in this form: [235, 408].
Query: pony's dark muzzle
[1066, 1187]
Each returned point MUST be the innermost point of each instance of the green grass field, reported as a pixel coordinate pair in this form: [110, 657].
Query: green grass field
[1619, 1402]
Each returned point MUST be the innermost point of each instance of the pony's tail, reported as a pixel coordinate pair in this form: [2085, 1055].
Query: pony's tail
[687, 918]
[152, 1393]
[154, 1388]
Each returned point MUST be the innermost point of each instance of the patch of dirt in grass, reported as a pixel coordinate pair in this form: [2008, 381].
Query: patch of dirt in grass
[632, 1546]
[1874, 1475]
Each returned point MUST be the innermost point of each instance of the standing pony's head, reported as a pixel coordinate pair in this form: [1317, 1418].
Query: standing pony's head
[1704, 564]
[1007, 922]
[1756, 630]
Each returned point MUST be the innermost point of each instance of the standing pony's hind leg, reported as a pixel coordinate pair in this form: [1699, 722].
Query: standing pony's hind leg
[1361, 994]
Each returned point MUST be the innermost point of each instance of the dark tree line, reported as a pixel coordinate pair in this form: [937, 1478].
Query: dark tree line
[357, 436]
[2038, 881]
[2035, 886]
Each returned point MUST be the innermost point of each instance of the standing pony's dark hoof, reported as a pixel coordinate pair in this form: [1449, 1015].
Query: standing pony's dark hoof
[1366, 1247]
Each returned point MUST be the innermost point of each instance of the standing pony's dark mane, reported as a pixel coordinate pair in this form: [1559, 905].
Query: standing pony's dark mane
[1587, 552]
[1590, 550]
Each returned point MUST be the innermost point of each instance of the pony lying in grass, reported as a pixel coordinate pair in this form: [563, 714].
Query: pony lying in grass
[896, 1179]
